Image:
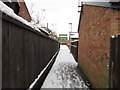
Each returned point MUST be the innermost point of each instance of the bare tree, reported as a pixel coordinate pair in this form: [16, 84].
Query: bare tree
[36, 18]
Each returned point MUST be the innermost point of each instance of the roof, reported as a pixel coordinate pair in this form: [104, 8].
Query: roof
[74, 35]
[13, 5]
[111, 4]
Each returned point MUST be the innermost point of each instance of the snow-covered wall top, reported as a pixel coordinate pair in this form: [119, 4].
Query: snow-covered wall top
[8, 11]
[104, 4]
[114, 0]
[5, 9]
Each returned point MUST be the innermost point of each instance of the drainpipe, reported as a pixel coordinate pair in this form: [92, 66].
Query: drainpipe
[0, 51]
[70, 24]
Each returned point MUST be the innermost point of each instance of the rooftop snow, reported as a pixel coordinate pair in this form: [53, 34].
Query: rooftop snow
[9, 0]
[114, 0]
[104, 4]
[5, 9]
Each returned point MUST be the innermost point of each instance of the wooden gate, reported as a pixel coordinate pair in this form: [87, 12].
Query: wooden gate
[114, 73]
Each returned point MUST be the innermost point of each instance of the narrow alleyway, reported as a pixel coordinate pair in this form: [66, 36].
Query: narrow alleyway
[64, 72]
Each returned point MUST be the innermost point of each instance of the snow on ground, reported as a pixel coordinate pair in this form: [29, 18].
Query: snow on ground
[63, 73]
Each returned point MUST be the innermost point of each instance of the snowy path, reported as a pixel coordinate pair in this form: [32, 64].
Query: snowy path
[63, 73]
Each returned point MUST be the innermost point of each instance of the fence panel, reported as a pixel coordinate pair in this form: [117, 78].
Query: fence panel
[25, 51]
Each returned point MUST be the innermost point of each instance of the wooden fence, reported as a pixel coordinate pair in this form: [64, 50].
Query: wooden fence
[25, 53]
[114, 73]
[74, 50]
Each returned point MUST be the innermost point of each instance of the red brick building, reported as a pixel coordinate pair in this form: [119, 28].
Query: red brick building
[23, 11]
[98, 21]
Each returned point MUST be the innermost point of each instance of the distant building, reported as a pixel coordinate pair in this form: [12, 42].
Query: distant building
[63, 36]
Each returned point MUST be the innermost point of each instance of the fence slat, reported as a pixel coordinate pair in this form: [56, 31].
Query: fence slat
[5, 56]
[16, 57]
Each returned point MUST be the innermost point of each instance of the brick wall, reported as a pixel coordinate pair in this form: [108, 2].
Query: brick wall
[24, 13]
[96, 26]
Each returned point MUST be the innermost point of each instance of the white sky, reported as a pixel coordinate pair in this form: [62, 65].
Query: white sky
[58, 13]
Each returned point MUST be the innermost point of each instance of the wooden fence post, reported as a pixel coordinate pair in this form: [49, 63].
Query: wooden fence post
[0, 50]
